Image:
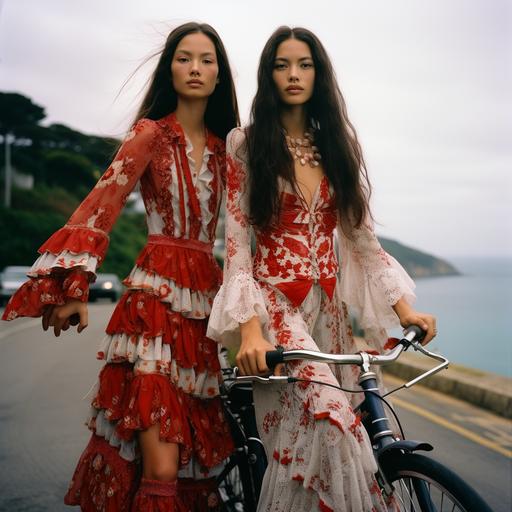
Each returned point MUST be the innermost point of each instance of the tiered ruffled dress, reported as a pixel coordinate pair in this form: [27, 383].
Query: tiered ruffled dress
[160, 366]
[320, 458]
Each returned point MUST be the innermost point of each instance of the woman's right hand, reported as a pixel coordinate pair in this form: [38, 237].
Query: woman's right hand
[251, 355]
[74, 312]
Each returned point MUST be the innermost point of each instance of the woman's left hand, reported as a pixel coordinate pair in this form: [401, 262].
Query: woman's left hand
[409, 316]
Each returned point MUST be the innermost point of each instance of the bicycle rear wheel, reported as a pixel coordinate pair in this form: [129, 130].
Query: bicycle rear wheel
[422, 484]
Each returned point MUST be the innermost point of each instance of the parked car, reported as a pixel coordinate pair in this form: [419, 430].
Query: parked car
[106, 286]
[11, 279]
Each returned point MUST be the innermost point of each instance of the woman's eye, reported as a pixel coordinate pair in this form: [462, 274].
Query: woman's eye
[307, 65]
[182, 59]
[280, 66]
[208, 61]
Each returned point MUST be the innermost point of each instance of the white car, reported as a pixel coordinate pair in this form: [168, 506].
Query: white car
[11, 279]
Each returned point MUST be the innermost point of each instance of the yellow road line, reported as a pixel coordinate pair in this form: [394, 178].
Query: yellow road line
[456, 428]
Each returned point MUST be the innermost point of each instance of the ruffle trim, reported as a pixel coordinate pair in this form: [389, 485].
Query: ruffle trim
[48, 263]
[154, 356]
[136, 402]
[239, 299]
[188, 268]
[101, 426]
[102, 480]
[338, 468]
[77, 240]
[373, 295]
[147, 321]
[34, 295]
[196, 304]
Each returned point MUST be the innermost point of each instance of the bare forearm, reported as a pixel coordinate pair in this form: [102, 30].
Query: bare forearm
[251, 329]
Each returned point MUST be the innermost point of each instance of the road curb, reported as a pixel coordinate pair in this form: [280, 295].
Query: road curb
[487, 390]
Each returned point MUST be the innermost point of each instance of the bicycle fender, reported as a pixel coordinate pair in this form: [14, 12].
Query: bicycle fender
[406, 445]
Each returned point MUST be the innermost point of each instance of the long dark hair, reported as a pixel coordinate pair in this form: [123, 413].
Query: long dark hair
[161, 99]
[335, 136]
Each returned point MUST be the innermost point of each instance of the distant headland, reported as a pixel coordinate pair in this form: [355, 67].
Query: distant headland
[417, 263]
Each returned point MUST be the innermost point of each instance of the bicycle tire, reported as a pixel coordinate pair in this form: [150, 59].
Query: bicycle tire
[415, 474]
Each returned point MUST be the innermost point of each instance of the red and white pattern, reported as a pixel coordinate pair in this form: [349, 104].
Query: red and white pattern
[320, 457]
[160, 366]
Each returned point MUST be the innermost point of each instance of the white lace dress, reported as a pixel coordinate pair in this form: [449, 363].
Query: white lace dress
[320, 457]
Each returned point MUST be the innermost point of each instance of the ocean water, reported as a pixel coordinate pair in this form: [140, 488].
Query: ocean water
[474, 313]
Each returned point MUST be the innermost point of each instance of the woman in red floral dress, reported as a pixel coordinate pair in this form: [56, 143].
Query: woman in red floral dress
[296, 175]
[157, 396]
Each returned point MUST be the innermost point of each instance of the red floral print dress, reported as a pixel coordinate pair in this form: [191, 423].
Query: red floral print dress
[160, 366]
[320, 458]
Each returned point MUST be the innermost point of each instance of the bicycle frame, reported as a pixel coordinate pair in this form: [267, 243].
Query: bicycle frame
[374, 417]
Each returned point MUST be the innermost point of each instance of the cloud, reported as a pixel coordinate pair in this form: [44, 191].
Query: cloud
[427, 86]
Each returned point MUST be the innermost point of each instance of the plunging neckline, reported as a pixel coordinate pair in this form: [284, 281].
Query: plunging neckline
[314, 197]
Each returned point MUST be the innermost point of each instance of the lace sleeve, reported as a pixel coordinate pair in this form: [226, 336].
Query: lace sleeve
[240, 297]
[372, 281]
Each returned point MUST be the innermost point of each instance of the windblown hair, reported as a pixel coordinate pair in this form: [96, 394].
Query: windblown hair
[335, 136]
[161, 99]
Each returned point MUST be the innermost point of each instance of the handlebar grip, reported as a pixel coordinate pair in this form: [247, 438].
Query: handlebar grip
[274, 357]
[418, 332]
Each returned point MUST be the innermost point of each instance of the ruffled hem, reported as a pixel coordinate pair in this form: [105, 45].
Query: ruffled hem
[77, 240]
[372, 296]
[102, 480]
[101, 426]
[48, 263]
[34, 295]
[197, 425]
[188, 268]
[339, 469]
[142, 324]
[126, 402]
[153, 356]
[196, 304]
[238, 301]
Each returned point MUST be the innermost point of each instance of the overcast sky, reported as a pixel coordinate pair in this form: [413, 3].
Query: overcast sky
[427, 83]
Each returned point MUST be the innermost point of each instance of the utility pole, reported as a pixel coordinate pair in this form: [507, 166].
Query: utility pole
[8, 170]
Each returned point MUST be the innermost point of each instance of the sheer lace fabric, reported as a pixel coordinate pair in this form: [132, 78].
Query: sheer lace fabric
[319, 455]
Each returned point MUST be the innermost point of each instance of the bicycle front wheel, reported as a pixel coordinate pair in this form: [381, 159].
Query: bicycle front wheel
[424, 485]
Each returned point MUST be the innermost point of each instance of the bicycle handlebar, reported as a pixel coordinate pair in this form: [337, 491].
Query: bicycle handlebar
[412, 333]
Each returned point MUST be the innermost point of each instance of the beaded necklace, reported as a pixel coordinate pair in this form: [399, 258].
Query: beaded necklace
[303, 149]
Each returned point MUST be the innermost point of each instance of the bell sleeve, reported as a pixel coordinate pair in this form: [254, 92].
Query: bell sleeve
[372, 281]
[69, 259]
[240, 297]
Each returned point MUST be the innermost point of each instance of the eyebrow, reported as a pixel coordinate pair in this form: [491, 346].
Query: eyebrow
[186, 52]
[287, 60]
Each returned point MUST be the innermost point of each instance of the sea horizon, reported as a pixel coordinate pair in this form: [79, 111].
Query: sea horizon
[471, 310]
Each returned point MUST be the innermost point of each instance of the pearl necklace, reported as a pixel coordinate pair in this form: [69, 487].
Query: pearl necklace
[303, 149]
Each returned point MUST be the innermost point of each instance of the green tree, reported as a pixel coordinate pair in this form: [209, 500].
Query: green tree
[18, 114]
[68, 170]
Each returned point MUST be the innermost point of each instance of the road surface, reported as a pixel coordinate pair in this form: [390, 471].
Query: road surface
[43, 380]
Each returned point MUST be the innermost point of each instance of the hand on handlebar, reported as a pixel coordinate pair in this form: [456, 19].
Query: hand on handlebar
[408, 316]
[251, 356]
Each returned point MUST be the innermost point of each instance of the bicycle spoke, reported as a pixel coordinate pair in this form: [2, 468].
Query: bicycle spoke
[408, 493]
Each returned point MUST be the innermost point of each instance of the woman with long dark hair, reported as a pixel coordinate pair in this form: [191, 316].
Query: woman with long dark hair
[296, 175]
[157, 397]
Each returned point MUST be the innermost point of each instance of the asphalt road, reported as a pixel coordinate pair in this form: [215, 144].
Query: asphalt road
[43, 380]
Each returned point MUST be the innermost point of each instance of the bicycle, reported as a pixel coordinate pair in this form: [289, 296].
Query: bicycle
[417, 482]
